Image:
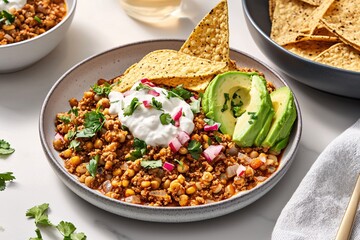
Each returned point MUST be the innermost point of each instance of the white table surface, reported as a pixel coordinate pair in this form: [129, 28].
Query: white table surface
[100, 25]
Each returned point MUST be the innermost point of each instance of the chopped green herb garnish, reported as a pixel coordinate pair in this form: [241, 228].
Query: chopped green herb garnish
[129, 110]
[5, 148]
[225, 106]
[36, 18]
[102, 90]
[142, 87]
[40, 214]
[7, 17]
[252, 115]
[125, 128]
[195, 105]
[65, 119]
[93, 122]
[92, 165]
[195, 149]
[218, 139]
[74, 144]
[140, 149]
[67, 229]
[6, 1]
[180, 92]
[149, 164]
[38, 235]
[156, 104]
[70, 134]
[5, 177]
[74, 111]
[209, 121]
[165, 119]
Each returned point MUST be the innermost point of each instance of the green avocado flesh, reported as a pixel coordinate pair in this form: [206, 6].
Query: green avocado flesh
[284, 118]
[226, 98]
[254, 122]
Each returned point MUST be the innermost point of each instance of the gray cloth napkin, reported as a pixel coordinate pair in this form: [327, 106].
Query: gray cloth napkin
[317, 206]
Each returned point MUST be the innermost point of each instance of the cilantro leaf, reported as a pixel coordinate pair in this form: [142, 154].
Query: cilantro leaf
[149, 164]
[70, 134]
[64, 119]
[129, 110]
[92, 166]
[66, 228]
[179, 91]
[5, 148]
[38, 235]
[93, 122]
[75, 111]
[74, 144]
[195, 149]
[7, 17]
[225, 106]
[140, 149]
[195, 105]
[40, 214]
[142, 87]
[5, 177]
[78, 236]
[102, 90]
[156, 104]
[165, 119]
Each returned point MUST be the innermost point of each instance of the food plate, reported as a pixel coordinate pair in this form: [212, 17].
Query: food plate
[112, 63]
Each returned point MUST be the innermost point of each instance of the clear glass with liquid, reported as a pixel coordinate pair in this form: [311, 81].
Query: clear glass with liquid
[150, 10]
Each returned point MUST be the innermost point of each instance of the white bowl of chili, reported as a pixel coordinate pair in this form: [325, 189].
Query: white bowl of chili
[23, 45]
[75, 83]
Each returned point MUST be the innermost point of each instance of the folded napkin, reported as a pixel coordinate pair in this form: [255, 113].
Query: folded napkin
[317, 206]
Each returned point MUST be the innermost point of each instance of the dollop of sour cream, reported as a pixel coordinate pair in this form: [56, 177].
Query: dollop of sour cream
[144, 123]
[17, 4]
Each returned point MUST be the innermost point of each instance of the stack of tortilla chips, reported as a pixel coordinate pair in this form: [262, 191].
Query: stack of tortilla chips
[326, 31]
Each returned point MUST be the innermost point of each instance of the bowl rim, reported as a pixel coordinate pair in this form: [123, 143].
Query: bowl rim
[97, 196]
[280, 48]
[69, 14]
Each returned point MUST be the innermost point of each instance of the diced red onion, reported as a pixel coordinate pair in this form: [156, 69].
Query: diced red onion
[175, 145]
[147, 82]
[177, 123]
[240, 171]
[231, 170]
[212, 151]
[177, 115]
[168, 166]
[183, 137]
[59, 136]
[213, 127]
[147, 104]
[153, 92]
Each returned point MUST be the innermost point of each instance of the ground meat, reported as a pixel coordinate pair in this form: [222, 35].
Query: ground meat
[35, 18]
[193, 181]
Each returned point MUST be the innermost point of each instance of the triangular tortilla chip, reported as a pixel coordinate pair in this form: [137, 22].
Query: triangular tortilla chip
[210, 38]
[308, 49]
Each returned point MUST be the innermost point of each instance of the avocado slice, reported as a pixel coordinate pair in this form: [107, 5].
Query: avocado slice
[285, 115]
[280, 145]
[205, 98]
[249, 124]
[265, 129]
[226, 98]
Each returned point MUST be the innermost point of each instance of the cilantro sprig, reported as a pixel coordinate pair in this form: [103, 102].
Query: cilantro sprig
[179, 92]
[156, 104]
[140, 149]
[93, 123]
[149, 164]
[195, 149]
[165, 119]
[92, 165]
[5, 148]
[102, 90]
[5, 177]
[129, 110]
[40, 214]
[6, 17]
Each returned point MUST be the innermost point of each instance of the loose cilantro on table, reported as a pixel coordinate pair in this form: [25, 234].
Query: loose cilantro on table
[67, 229]
[195, 149]
[92, 165]
[140, 149]
[165, 119]
[149, 164]
[93, 122]
[5, 148]
[102, 90]
[5, 177]
[129, 110]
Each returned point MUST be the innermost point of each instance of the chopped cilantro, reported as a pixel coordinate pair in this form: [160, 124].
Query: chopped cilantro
[6, 1]
[179, 91]
[218, 139]
[36, 18]
[142, 87]
[149, 164]
[195, 105]
[102, 90]
[70, 134]
[132, 106]
[5, 148]
[93, 122]
[140, 149]
[125, 128]
[74, 111]
[5, 177]
[165, 119]
[74, 144]
[195, 149]
[7, 17]
[209, 121]
[40, 214]
[38, 235]
[92, 165]
[225, 106]
[156, 104]
[64, 119]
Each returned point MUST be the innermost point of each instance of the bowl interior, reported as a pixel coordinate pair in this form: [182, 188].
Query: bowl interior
[110, 64]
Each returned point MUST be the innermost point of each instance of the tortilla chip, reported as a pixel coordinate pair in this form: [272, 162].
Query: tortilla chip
[342, 56]
[272, 4]
[172, 65]
[308, 49]
[307, 37]
[313, 20]
[323, 31]
[210, 38]
[288, 19]
[342, 19]
[313, 2]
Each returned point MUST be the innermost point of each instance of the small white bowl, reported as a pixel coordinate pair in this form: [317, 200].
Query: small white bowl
[25, 53]
[112, 63]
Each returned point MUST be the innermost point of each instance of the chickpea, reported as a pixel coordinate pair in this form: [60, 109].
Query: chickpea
[145, 184]
[104, 102]
[183, 200]
[58, 144]
[89, 95]
[73, 102]
[108, 165]
[66, 153]
[89, 181]
[81, 168]
[207, 177]
[125, 183]
[166, 184]
[181, 179]
[129, 192]
[256, 163]
[190, 190]
[122, 137]
[155, 184]
[130, 172]
[75, 160]
[183, 150]
[217, 188]
[229, 190]
[98, 143]
[89, 146]
[182, 168]
[254, 154]
[117, 172]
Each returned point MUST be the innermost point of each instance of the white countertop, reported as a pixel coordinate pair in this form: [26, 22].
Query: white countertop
[101, 25]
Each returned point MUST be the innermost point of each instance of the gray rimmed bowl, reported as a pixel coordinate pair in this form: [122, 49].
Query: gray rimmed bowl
[112, 63]
[320, 76]
[25, 53]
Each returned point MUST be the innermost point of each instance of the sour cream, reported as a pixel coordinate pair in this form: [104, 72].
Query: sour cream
[17, 4]
[144, 123]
